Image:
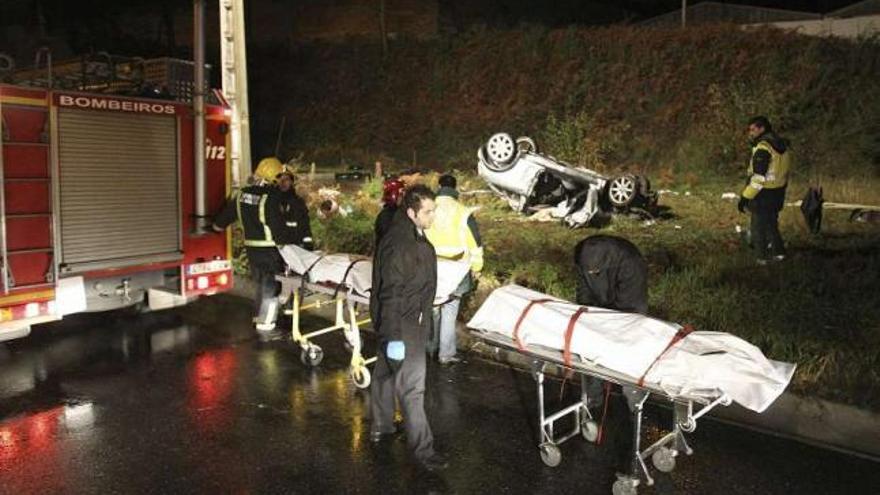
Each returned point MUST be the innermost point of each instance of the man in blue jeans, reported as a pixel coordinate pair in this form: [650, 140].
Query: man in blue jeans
[455, 236]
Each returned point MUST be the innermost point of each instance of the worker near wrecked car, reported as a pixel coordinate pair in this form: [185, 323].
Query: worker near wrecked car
[404, 285]
[455, 236]
[297, 228]
[257, 208]
[392, 192]
[612, 274]
[764, 193]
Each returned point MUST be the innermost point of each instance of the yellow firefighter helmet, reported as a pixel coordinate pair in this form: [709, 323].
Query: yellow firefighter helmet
[268, 169]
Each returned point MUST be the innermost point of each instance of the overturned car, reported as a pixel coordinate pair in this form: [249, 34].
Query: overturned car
[530, 181]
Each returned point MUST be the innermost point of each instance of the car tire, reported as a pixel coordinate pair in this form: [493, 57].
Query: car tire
[622, 190]
[499, 152]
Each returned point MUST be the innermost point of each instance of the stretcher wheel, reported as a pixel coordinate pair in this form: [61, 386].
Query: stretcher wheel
[351, 337]
[589, 429]
[625, 486]
[311, 355]
[360, 376]
[664, 459]
[550, 454]
[689, 425]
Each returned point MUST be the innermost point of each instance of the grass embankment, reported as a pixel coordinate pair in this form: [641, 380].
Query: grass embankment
[664, 101]
[820, 308]
[668, 103]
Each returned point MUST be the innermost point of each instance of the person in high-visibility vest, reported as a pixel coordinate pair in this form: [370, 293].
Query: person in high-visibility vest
[455, 236]
[257, 208]
[764, 193]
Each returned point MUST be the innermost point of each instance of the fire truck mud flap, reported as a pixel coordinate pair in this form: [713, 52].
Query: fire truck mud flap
[163, 299]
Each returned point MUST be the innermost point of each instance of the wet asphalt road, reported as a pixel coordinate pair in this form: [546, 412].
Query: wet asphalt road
[189, 401]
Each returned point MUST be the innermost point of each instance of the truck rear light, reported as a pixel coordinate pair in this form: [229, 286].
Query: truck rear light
[202, 282]
[28, 310]
[222, 279]
[31, 310]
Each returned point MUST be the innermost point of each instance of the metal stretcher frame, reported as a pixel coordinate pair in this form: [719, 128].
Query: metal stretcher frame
[686, 412]
[346, 320]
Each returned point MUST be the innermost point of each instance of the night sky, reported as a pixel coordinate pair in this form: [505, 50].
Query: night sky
[112, 25]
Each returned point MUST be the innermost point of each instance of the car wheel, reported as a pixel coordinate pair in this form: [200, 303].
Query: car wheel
[500, 152]
[622, 190]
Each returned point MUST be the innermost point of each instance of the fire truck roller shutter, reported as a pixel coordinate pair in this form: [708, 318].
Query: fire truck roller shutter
[119, 200]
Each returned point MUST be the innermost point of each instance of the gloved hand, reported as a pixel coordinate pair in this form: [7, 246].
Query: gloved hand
[743, 204]
[395, 350]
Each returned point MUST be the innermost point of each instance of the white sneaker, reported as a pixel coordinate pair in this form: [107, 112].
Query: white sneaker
[779, 257]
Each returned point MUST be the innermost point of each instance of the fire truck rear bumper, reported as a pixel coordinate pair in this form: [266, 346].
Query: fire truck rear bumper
[22, 328]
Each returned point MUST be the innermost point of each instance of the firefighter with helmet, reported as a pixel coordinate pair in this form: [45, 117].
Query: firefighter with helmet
[257, 208]
[392, 191]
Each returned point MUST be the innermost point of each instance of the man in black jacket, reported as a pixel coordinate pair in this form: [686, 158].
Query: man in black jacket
[404, 284]
[297, 228]
[611, 274]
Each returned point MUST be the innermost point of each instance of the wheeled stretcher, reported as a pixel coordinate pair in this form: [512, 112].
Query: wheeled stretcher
[349, 316]
[344, 280]
[694, 371]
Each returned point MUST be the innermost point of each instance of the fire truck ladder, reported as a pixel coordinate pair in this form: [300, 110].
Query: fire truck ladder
[234, 71]
[25, 200]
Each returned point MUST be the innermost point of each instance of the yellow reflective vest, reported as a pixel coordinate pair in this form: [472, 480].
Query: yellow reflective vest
[777, 172]
[450, 234]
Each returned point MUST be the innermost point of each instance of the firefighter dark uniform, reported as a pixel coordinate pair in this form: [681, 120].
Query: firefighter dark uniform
[392, 190]
[258, 209]
[295, 215]
[764, 194]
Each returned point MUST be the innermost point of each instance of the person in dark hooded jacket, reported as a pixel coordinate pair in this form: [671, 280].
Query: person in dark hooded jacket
[612, 274]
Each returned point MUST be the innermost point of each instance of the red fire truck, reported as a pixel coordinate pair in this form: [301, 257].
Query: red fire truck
[97, 205]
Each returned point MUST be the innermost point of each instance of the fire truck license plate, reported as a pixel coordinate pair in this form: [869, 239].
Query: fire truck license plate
[208, 267]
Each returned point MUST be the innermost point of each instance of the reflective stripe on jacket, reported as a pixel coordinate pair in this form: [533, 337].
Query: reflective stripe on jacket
[777, 172]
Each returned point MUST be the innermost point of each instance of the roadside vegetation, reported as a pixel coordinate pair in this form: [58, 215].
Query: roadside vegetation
[819, 308]
[669, 104]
